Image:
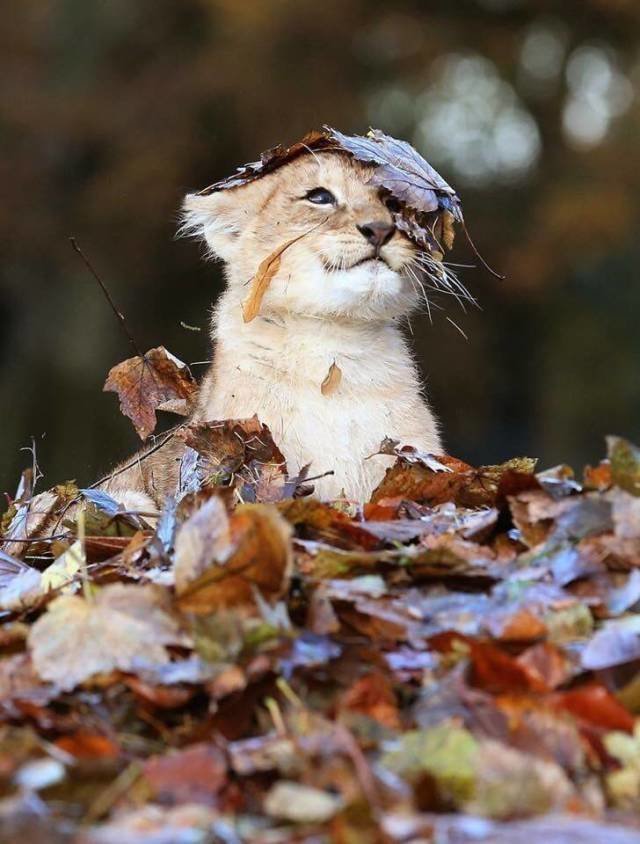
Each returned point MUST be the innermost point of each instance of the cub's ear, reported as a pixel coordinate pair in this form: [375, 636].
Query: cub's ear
[218, 218]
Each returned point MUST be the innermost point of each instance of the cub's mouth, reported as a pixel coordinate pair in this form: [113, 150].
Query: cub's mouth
[376, 259]
[332, 266]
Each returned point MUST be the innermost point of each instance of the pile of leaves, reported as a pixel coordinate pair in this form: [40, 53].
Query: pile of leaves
[455, 660]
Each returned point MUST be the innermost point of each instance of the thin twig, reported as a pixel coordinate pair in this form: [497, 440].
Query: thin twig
[103, 287]
[139, 457]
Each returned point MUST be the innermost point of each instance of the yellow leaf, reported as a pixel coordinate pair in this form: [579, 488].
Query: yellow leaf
[61, 572]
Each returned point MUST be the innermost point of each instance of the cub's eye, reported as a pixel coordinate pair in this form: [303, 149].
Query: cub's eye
[392, 204]
[320, 196]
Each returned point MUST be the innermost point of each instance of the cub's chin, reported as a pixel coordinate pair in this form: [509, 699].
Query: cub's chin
[373, 290]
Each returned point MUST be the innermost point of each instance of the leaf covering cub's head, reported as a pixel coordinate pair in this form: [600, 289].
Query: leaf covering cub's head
[343, 244]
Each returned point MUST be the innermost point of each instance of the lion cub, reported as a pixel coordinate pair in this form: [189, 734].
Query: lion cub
[337, 299]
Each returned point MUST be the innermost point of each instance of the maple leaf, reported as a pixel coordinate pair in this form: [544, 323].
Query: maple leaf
[155, 381]
[125, 627]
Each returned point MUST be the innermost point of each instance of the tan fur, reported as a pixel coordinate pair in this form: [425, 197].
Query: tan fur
[322, 307]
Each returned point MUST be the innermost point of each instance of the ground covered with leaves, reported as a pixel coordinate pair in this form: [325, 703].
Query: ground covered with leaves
[454, 661]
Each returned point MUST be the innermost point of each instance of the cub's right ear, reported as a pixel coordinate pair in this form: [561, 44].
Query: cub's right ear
[217, 218]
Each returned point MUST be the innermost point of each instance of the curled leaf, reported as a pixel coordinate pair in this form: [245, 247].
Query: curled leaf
[265, 274]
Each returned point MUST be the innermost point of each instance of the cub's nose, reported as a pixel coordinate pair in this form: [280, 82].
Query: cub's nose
[377, 232]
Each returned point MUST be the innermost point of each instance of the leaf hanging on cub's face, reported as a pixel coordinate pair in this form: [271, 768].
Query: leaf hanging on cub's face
[265, 274]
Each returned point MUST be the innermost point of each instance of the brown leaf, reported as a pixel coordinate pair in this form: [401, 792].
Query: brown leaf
[456, 481]
[595, 705]
[19, 682]
[260, 284]
[239, 452]
[372, 695]
[265, 274]
[598, 477]
[193, 775]
[145, 384]
[86, 745]
[270, 160]
[33, 518]
[519, 626]
[258, 560]
[547, 662]
[426, 202]
[331, 380]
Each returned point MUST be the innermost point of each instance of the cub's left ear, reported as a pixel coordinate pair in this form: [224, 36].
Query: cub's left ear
[218, 218]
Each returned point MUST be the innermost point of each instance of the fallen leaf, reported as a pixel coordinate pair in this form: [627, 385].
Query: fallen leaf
[509, 783]
[266, 272]
[239, 452]
[204, 538]
[595, 705]
[259, 561]
[195, 774]
[486, 486]
[372, 695]
[19, 583]
[31, 520]
[331, 380]
[614, 644]
[624, 458]
[144, 384]
[86, 745]
[446, 752]
[302, 804]
[124, 628]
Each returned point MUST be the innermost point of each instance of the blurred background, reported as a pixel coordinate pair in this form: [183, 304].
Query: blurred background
[112, 109]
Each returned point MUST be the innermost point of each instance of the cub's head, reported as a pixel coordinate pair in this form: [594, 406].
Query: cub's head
[346, 259]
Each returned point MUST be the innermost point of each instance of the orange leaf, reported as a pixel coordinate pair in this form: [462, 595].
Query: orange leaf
[265, 274]
[372, 695]
[85, 745]
[332, 380]
[597, 706]
[258, 558]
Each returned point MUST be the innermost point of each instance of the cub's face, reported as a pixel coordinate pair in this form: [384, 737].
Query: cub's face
[349, 261]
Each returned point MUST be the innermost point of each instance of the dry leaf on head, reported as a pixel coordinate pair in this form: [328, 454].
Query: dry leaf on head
[156, 381]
